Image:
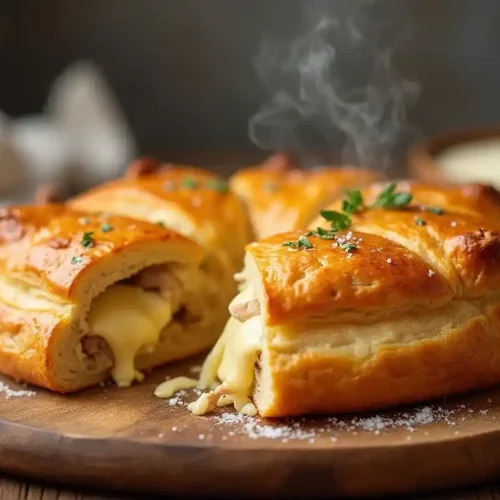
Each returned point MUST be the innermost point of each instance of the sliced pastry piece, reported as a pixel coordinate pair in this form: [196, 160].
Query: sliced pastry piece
[85, 297]
[383, 302]
[192, 201]
[282, 197]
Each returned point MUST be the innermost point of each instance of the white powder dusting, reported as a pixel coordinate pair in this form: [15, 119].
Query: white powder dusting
[11, 393]
[307, 429]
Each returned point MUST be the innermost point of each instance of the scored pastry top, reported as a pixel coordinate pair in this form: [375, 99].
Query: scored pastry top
[201, 194]
[421, 248]
[53, 247]
[280, 196]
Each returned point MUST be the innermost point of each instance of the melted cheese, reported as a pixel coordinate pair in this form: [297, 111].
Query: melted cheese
[170, 387]
[472, 161]
[128, 318]
[232, 361]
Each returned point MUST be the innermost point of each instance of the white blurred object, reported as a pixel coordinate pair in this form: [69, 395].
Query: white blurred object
[43, 146]
[82, 138]
[12, 169]
[82, 104]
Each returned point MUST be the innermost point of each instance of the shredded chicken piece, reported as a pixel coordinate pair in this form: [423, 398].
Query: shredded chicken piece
[171, 282]
[245, 310]
[240, 277]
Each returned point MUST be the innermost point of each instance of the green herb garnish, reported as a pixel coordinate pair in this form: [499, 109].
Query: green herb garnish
[353, 202]
[348, 247]
[420, 222]
[325, 234]
[107, 227]
[388, 198]
[160, 223]
[76, 260]
[338, 220]
[219, 185]
[87, 240]
[190, 183]
[304, 242]
[436, 210]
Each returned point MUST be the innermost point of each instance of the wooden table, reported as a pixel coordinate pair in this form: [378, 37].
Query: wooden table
[17, 488]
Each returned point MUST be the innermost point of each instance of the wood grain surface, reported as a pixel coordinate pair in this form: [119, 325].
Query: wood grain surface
[12, 488]
[129, 441]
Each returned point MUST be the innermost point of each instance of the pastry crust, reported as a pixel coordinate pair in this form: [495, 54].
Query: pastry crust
[49, 278]
[192, 201]
[282, 197]
[411, 313]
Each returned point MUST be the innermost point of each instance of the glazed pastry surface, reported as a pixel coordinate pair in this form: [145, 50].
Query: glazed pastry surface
[400, 306]
[282, 197]
[78, 303]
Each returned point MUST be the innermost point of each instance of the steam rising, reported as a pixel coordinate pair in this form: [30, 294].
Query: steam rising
[339, 76]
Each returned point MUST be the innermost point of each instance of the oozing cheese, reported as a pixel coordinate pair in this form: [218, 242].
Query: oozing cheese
[128, 318]
[232, 361]
[170, 387]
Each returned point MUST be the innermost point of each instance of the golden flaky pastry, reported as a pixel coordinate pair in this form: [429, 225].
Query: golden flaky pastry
[281, 197]
[192, 201]
[86, 297]
[401, 306]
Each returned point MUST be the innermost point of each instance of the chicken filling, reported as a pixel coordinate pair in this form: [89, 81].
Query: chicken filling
[131, 317]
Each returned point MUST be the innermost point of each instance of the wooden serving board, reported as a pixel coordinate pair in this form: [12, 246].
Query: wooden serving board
[128, 440]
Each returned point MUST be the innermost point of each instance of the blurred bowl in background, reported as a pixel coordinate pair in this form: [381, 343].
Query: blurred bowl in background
[468, 155]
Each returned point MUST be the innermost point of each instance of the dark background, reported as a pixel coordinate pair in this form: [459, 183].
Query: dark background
[183, 69]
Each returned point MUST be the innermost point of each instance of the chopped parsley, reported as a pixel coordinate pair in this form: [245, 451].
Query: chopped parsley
[87, 240]
[219, 185]
[353, 202]
[107, 227]
[348, 247]
[436, 210]
[302, 242]
[190, 183]
[338, 220]
[388, 198]
[76, 260]
[160, 223]
[419, 221]
[325, 234]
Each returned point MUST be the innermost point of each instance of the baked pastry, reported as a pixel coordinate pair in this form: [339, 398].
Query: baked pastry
[386, 300]
[282, 197]
[192, 201]
[86, 297]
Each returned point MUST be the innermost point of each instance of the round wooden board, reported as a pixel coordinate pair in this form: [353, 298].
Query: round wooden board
[129, 440]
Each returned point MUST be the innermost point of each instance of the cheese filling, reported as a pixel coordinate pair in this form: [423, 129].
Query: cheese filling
[129, 319]
[232, 362]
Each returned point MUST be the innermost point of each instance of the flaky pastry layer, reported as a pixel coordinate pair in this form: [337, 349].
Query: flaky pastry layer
[401, 307]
